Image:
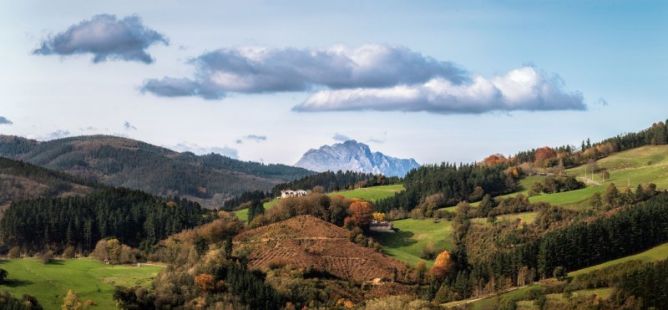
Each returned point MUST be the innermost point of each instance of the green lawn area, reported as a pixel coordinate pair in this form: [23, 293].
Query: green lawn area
[491, 302]
[372, 194]
[407, 243]
[243, 213]
[526, 217]
[88, 278]
[654, 254]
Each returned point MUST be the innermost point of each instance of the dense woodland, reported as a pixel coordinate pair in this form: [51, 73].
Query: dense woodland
[135, 218]
[557, 242]
[455, 182]
[335, 181]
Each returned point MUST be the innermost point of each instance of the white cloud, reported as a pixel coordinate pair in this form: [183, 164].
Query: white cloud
[525, 88]
[106, 37]
[341, 137]
[259, 70]
[203, 150]
[58, 134]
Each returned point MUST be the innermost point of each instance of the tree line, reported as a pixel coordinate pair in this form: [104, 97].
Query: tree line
[464, 182]
[135, 218]
[629, 230]
[336, 181]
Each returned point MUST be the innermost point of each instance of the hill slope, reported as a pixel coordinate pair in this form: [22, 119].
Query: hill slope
[628, 169]
[310, 243]
[354, 156]
[21, 181]
[207, 179]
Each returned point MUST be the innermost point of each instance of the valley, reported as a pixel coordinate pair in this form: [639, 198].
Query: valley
[519, 234]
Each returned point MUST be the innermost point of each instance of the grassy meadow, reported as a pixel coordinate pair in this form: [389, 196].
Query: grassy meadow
[412, 235]
[88, 278]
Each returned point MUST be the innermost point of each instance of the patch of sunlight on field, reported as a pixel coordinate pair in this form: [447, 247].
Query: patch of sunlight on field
[412, 235]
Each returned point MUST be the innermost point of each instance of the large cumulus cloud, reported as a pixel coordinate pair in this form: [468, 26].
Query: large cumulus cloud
[261, 70]
[370, 77]
[106, 38]
[526, 88]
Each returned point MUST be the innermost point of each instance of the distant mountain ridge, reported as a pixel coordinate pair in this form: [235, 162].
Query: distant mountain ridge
[208, 179]
[354, 156]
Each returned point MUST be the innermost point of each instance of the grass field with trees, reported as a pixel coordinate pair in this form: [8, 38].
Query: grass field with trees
[88, 278]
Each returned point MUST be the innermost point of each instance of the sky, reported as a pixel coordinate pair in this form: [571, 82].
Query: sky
[268, 80]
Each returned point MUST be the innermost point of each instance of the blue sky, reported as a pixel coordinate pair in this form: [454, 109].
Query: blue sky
[604, 65]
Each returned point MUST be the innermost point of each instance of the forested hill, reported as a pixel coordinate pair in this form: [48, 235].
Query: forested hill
[116, 161]
[20, 181]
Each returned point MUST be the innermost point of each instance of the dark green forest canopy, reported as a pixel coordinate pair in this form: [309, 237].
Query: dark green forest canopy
[135, 218]
[466, 182]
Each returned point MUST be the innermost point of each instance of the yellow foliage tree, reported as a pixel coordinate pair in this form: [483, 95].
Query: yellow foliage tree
[379, 216]
[442, 265]
[72, 302]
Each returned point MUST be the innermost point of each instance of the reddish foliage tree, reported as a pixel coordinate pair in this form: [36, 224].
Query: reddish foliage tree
[544, 154]
[494, 159]
[361, 213]
[204, 282]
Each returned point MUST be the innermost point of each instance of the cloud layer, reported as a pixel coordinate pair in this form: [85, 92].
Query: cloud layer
[371, 77]
[106, 38]
[525, 88]
[261, 70]
[5, 121]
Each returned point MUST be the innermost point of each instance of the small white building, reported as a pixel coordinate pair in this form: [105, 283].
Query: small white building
[290, 193]
[381, 226]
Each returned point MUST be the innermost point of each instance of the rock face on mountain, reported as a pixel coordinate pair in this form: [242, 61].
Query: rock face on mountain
[354, 156]
[207, 179]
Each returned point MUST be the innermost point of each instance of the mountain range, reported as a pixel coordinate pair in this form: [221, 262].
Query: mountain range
[208, 179]
[354, 156]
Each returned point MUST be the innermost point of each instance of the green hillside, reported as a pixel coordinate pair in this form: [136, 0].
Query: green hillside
[88, 278]
[373, 193]
[654, 254]
[412, 236]
[122, 162]
[643, 165]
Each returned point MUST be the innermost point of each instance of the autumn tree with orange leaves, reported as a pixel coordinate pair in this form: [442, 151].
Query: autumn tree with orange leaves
[494, 159]
[204, 282]
[543, 155]
[361, 213]
[442, 266]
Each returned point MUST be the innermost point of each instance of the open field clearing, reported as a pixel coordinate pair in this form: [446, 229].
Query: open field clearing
[88, 278]
[525, 217]
[407, 243]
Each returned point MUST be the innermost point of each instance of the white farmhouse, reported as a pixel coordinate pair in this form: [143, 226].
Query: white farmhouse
[290, 193]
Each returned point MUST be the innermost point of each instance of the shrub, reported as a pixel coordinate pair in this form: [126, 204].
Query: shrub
[3, 275]
[14, 252]
[69, 252]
